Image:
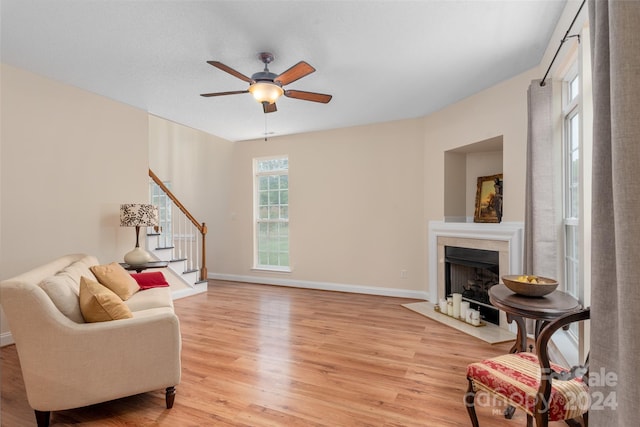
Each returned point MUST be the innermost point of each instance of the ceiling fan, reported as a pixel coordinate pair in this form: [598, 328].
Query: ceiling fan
[266, 87]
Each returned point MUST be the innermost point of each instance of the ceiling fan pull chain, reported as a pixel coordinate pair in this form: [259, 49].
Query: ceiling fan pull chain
[265, 127]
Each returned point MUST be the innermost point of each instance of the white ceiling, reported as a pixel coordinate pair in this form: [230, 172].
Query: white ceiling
[381, 60]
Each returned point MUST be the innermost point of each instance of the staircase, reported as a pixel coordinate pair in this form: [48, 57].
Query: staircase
[178, 239]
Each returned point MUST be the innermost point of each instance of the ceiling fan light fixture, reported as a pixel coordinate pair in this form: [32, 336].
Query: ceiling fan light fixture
[266, 92]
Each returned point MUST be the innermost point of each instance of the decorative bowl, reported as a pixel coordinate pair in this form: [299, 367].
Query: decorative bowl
[543, 286]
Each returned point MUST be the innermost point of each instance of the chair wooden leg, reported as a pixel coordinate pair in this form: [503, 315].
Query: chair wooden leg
[170, 396]
[530, 421]
[469, 403]
[42, 418]
[542, 418]
[509, 411]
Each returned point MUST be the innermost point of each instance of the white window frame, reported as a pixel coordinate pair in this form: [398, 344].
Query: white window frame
[571, 111]
[278, 223]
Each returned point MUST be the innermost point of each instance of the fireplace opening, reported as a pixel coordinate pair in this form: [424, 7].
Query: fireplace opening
[471, 272]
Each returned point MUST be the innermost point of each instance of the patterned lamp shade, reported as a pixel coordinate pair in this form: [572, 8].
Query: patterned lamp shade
[138, 215]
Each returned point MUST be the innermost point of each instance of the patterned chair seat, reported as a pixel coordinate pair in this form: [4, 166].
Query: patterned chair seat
[516, 378]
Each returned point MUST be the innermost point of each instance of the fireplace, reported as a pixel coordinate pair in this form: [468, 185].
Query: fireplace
[504, 238]
[472, 272]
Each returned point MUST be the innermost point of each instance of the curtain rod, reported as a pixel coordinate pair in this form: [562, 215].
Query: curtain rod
[564, 39]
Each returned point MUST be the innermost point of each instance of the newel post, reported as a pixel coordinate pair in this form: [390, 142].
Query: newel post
[203, 270]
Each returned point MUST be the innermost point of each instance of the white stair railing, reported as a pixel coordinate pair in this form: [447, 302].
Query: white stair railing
[178, 230]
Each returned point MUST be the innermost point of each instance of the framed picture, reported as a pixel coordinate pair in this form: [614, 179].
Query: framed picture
[489, 199]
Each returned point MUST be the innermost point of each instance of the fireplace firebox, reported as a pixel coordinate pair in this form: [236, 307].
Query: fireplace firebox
[472, 272]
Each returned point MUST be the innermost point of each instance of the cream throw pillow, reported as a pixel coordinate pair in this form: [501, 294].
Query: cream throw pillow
[64, 294]
[99, 304]
[116, 278]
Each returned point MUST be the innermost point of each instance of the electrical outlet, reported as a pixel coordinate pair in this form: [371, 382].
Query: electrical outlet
[403, 274]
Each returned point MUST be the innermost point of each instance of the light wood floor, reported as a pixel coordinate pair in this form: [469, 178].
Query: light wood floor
[256, 355]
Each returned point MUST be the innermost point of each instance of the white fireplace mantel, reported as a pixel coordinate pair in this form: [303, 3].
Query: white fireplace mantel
[508, 232]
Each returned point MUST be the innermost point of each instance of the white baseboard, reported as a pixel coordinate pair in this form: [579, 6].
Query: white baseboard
[324, 286]
[6, 339]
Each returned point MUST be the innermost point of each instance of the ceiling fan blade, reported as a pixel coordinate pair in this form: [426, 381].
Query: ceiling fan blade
[269, 108]
[308, 96]
[230, 70]
[233, 92]
[294, 73]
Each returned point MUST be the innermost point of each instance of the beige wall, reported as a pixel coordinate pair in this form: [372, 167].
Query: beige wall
[355, 206]
[361, 197]
[69, 158]
[498, 111]
[198, 165]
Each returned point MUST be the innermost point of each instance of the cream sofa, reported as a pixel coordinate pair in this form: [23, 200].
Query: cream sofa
[67, 363]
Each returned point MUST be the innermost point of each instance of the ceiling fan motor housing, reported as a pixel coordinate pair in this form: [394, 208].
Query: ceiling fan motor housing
[264, 76]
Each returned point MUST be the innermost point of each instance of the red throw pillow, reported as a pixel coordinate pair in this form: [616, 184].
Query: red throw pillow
[150, 280]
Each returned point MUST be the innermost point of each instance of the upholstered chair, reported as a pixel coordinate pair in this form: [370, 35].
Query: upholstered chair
[545, 391]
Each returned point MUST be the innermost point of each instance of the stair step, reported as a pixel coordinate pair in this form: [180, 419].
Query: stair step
[177, 259]
[190, 271]
[200, 281]
[153, 234]
[165, 247]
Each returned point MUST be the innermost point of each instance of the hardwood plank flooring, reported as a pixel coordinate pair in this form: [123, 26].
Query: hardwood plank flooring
[257, 355]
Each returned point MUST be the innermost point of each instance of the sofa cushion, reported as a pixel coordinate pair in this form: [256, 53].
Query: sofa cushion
[116, 278]
[150, 298]
[100, 304]
[150, 280]
[77, 269]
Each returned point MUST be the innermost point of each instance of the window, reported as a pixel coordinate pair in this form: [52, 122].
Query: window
[165, 221]
[571, 187]
[271, 213]
[575, 123]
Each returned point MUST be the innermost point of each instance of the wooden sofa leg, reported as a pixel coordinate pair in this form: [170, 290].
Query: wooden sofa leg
[469, 398]
[170, 396]
[42, 418]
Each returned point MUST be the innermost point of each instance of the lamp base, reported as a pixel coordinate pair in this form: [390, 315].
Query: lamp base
[137, 256]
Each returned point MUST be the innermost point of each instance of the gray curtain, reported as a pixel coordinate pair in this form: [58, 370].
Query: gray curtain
[540, 224]
[540, 220]
[615, 236]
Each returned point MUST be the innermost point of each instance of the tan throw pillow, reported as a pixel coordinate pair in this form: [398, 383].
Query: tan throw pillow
[116, 278]
[99, 304]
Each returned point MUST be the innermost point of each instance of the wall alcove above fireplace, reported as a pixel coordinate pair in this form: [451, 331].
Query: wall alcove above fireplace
[462, 167]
